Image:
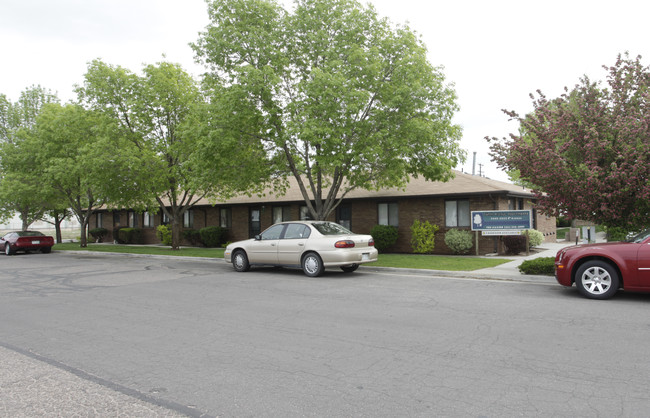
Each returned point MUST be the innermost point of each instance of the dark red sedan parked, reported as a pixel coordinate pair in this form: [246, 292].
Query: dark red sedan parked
[26, 241]
[599, 270]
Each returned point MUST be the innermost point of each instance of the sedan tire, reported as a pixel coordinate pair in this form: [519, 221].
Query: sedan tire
[312, 265]
[240, 261]
[350, 268]
[597, 280]
[8, 250]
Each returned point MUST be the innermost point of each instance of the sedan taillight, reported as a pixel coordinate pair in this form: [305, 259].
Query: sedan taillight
[344, 244]
[371, 243]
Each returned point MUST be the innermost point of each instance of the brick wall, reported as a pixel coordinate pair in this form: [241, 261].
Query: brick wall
[364, 214]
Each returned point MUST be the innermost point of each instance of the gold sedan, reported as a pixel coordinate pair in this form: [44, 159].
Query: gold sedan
[309, 245]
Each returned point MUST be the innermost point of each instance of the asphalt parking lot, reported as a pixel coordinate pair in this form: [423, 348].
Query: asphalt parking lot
[96, 335]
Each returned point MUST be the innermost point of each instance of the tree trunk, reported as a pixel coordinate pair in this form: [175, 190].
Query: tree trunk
[176, 233]
[25, 224]
[57, 227]
[84, 235]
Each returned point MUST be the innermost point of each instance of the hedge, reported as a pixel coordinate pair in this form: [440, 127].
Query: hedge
[130, 235]
[384, 236]
[542, 265]
[213, 236]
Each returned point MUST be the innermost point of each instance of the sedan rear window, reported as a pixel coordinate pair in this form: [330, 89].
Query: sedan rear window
[29, 234]
[297, 231]
[330, 228]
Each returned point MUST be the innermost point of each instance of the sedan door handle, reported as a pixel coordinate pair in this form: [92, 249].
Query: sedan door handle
[301, 244]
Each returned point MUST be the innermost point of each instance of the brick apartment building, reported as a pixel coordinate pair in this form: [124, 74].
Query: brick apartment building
[447, 205]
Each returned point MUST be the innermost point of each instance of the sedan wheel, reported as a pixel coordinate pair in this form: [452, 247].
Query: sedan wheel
[597, 280]
[312, 265]
[8, 250]
[240, 261]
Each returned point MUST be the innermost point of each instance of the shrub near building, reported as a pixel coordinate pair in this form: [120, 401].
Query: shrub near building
[423, 237]
[384, 236]
[459, 241]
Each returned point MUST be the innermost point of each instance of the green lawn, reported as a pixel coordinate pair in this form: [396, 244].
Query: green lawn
[561, 233]
[437, 262]
[414, 261]
[140, 249]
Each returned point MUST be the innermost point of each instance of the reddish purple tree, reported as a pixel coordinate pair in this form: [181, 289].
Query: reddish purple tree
[587, 152]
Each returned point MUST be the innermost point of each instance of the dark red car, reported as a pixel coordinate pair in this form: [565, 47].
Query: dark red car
[599, 270]
[26, 241]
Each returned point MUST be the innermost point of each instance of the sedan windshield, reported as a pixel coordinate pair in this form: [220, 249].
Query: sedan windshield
[640, 237]
[330, 228]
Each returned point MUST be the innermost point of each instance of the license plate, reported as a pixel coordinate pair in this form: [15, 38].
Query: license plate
[36, 242]
[365, 256]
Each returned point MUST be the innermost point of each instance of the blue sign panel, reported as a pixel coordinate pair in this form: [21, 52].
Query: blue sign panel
[501, 220]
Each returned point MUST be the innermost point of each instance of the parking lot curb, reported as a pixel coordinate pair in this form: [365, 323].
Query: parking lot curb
[476, 274]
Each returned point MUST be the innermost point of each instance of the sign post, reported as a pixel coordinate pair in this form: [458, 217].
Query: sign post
[502, 222]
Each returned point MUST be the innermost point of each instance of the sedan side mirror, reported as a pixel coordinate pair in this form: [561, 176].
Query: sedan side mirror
[258, 237]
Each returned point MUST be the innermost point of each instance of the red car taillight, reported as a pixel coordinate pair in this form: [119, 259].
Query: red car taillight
[344, 244]
[371, 243]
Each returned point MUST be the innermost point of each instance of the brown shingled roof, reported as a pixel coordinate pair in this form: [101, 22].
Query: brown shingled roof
[461, 184]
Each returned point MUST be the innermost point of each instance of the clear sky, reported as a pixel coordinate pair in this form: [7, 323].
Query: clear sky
[495, 52]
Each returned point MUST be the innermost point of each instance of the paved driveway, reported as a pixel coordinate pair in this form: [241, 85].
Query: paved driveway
[193, 337]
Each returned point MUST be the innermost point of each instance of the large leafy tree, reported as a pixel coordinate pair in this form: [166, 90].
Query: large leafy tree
[22, 114]
[588, 151]
[21, 191]
[73, 152]
[339, 98]
[164, 117]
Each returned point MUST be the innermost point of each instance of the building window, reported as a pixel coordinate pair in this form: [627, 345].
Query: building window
[164, 219]
[116, 219]
[281, 214]
[147, 220]
[100, 220]
[304, 213]
[133, 220]
[457, 213]
[388, 214]
[188, 219]
[344, 216]
[515, 203]
[225, 218]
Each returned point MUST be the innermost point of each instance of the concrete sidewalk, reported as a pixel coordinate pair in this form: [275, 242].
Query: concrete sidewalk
[507, 271]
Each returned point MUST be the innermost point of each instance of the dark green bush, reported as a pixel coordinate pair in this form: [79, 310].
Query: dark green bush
[192, 236]
[562, 222]
[116, 236]
[213, 236]
[385, 236]
[514, 243]
[541, 265]
[98, 234]
[616, 234]
[130, 235]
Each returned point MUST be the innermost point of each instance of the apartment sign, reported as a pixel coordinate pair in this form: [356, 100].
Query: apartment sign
[501, 222]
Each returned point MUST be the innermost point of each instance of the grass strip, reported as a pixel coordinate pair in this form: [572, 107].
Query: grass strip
[142, 249]
[437, 262]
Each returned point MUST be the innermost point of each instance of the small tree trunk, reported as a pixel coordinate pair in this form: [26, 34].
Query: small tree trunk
[176, 234]
[57, 228]
[24, 225]
[84, 236]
